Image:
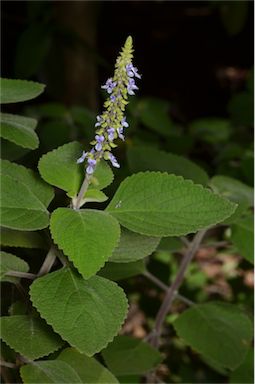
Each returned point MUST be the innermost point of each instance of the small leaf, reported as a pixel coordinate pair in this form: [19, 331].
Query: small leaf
[94, 195]
[133, 246]
[120, 271]
[86, 313]
[224, 332]
[59, 168]
[151, 159]
[25, 212]
[242, 235]
[31, 337]
[158, 204]
[19, 130]
[12, 238]
[128, 356]
[88, 369]
[88, 237]
[51, 371]
[13, 91]
[232, 189]
[33, 182]
[9, 262]
[212, 130]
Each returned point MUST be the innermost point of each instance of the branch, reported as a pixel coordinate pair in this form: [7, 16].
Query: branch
[77, 203]
[25, 275]
[170, 294]
[48, 262]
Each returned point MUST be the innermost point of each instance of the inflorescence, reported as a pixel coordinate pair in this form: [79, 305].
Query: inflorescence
[111, 123]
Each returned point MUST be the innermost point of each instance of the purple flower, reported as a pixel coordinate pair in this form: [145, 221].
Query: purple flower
[109, 85]
[100, 140]
[113, 98]
[99, 121]
[82, 158]
[120, 133]
[124, 123]
[113, 160]
[110, 132]
[132, 71]
[131, 87]
[91, 166]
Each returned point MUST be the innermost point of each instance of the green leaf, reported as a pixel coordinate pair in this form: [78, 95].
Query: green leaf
[94, 195]
[245, 372]
[13, 91]
[212, 130]
[232, 189]
[224, 332]
[12, 238]
[21, 209]
[234, 16]
[170, 244]
[88, 237]
[153, 113]
[19, 130]
[11, 151]
[51, 110]
[88, 369]
[151, 159]
[159, 204]
[133, 246]
[51, 371]
[86, 313]
[128, 356]
[33, 182]
[120, 271]
[60, 169]
[31, 337]
[9, 262]
[242, 235]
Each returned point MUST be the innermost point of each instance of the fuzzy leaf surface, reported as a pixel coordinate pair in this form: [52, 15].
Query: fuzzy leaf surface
[120, 271]
[87, 368]
[24, 239]
[10, 262]
[133, 247]
[35, 338]
[21, 209]
[159, 204]
[51, 371]
[19, 130]
[151, 159]
[242, 235]
[37, 186]
[129, 356]
[14, 91]
[224, 335]
[86, 313]
[88, 237]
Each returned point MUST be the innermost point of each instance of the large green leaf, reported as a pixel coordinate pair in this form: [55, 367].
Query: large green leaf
[21, 209]
[224, 333]
[35, 338]
[245, 372]
[152, 159]
[33, 182]
[9, 262]
[88, 369]
[242, 235]
[233, 189]
[13, 91]
[51, 371]
[120, 271]
[86, 313]
[13, 238]
[133, 246]
[88, 237]
[159, 204]
[59, 167]
[128, 356]
[19, 130]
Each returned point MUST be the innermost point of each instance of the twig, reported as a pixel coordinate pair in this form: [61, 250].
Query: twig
[78, 201]
[163, 286]
[24, 275]
[170, 294]
[48, 262]
[218, 244]
[4, 363]
[185, 241]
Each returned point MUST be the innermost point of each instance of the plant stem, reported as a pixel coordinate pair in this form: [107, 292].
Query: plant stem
[48, 262]
[170, 294]
[25, 275]
[4, 363]
[163, 286]
[82, 192]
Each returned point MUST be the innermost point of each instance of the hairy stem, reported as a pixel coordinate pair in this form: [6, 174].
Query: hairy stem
[170, 293]
[82, 192]
[48, 262]
[24, 275]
